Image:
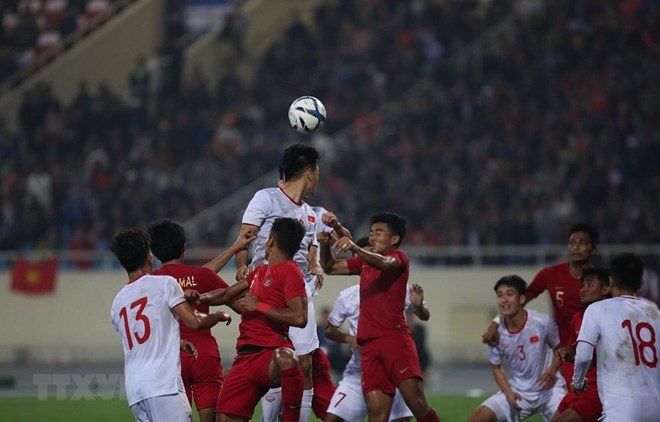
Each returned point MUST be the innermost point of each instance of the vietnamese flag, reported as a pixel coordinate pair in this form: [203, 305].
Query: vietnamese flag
[34, 277]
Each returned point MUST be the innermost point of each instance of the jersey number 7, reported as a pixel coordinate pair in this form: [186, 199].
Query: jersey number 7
[639, 345]
[141, 303]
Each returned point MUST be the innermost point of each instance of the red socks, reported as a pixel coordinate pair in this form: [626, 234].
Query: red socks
[324, 388]
[431, 416]
[292, 390]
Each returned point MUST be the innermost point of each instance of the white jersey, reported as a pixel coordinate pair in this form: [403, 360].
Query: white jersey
[347, 308]
[528, 351]
[142, 315]
[348, 401]
[625, 331]
[320, 227]
[265, 207]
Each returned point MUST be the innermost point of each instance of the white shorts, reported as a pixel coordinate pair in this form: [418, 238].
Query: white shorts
[170, 408]
[306, 340]
[544, 404]
[348, 402]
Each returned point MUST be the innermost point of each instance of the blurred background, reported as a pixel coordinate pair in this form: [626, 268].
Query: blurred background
[491, 125]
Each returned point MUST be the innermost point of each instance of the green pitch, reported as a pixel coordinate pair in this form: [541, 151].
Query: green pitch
[449, 408]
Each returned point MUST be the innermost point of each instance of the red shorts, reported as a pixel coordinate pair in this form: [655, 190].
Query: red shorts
[246, 383]
[324, 388]
[202, 378]
[587, 404]
[388, 361]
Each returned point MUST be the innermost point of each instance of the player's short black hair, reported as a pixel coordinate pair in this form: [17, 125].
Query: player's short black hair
[514, 281]
[296, 160]
[288, 233]
[586, 228]
[603, 275]
[131, 247]
[168, 239]
[627, 270]
[395, 223]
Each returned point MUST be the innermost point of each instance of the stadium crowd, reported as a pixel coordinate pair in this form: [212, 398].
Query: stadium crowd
[560, 124]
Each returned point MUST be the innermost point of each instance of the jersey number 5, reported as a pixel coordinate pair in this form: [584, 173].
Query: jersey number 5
[141, 303]
[640, 345]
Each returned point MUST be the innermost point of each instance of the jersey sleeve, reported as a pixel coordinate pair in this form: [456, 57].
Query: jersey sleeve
[294, 284]
[551, 334]
[401, 257]
[494, 355]
[589, 331]
[354, 265]
[338, 314]
[575, 327]
[173, 292]
[258, 209]
[538, 285]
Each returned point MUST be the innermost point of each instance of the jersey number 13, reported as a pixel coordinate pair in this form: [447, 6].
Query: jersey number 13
[140, 304]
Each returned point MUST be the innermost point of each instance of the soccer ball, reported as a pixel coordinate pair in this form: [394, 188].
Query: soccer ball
[307, 114]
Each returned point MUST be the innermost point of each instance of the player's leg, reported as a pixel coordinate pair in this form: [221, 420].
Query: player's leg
[271, 405]
[324, 388]
[306, 341]
[400, 412]
[347, 403]
[206, 380]
[379, 405]
[399, 355]
[412, 391]
[172, 407]
[496, 408]
[483, 414]
[284, 369]
[568, 415]
[245, 384]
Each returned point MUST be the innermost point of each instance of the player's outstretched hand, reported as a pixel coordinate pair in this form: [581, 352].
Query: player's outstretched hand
[565, 354]
[581, 389]
[491, 337]
[513, 397]
[344, 244]
[318, 272]
[416, 295]
[547, 380]
[192, 296]
[251, 301]
[244, 239]
[224, 317]
[188, 347]
[330, 220]
[242, 272]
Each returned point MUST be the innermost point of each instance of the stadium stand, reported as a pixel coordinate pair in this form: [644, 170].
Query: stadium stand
[503, 151]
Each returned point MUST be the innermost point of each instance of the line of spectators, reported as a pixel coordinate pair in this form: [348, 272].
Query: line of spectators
[562, 124]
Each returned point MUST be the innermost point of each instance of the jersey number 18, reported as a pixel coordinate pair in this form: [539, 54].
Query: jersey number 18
[639, 345]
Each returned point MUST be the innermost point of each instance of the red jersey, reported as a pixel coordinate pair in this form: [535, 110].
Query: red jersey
[382, 297]
[564, 290]
[274, 286]
[203, 280]
[576, 323]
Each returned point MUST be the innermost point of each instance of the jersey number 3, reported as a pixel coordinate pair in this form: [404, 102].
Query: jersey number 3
[639, 345]
[141, 303]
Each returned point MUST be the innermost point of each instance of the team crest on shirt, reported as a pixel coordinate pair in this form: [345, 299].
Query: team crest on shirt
[267, 282]
[504, 345]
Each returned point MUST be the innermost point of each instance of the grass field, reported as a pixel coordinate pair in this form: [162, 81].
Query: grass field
[449, 408]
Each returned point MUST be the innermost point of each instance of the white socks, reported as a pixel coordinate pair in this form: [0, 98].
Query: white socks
[271, 405]
[306, 405]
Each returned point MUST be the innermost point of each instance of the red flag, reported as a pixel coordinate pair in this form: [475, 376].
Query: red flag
[34, 277]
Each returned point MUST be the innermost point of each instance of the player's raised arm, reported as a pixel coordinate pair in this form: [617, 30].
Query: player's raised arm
[373, 259]
[294, 315]
[329, 263]
[198, 320]
[242, 256]
[242, 242]
[224, 296]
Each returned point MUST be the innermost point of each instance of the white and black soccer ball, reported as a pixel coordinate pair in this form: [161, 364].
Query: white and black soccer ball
[307, 114]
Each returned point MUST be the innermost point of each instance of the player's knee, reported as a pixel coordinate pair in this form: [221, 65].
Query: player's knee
[285, 358]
